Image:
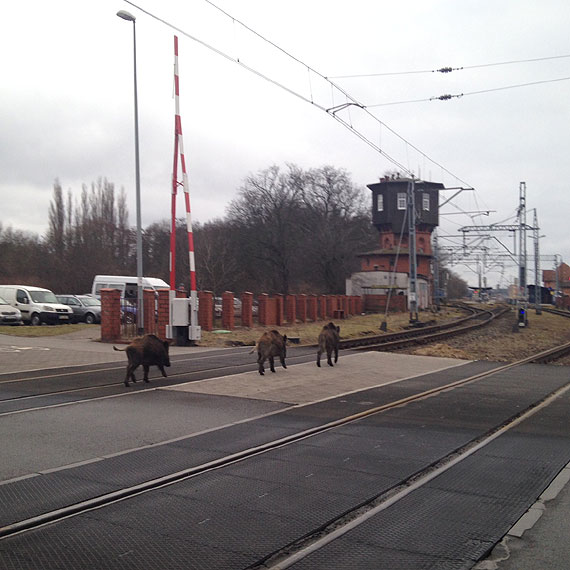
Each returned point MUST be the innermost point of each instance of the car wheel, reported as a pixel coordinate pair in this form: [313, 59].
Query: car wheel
[89, 318]
[35, 320]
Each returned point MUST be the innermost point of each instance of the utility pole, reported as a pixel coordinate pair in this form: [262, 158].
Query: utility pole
[523, 296]
[413, 300]
[556, 266]
[537, 286]
[436, 271]
[522, 239]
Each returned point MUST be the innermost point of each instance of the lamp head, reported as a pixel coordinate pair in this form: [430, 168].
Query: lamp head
[126, 15]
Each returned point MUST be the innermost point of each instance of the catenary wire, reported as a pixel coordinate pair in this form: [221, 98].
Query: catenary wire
[447, 69]
[447, 97]
[333, 112]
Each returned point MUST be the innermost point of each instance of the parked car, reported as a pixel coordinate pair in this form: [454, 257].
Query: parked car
[9, 315]
[86, 308]
[128, 312]
[36, 304]
[126, 285]
[218, 306]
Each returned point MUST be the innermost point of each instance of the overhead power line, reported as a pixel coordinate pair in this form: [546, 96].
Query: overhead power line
[340, 112]
[447, 69]
[447, 97]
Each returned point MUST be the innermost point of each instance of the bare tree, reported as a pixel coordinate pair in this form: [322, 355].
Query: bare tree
[266, 212]
[336, 224]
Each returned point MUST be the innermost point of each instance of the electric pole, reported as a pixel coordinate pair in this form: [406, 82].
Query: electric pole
[413, 300]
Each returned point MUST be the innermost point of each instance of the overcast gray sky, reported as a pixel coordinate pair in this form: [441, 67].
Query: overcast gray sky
[66, 102]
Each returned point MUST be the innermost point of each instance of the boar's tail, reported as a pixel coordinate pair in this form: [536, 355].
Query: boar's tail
[119, 349]
[253, 349]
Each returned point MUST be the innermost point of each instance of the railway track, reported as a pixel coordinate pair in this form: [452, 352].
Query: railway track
[64, 511]
[195, 367]
[478, 317]
[556, 312]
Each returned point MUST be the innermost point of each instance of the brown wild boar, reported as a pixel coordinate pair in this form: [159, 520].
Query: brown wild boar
[329, 338]
[147, 350]
[270, 345]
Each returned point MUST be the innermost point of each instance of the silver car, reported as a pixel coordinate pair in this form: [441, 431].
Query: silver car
[85, 307]
[9, 315]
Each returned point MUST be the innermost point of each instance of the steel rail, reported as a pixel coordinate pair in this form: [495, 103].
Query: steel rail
[559, 312]
[147, 486]
[434, 333]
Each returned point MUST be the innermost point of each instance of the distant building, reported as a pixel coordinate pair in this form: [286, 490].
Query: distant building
[386, 269]
[558, 281]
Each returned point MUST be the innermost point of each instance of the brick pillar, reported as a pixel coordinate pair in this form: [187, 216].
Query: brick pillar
[280, 306]
[312, 307]
[358, 305]
[148, 311]
[291, 310]
[228, 316]
[346, 305]
[263, 301]
[110, 315]
[322, 307]
[301, 303]
[163, 315]
[206, 310]
[246, 309]
[330, 306]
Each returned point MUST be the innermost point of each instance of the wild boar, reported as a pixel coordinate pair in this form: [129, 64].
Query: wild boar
[270, 345]
[329, 338]
[147, 350]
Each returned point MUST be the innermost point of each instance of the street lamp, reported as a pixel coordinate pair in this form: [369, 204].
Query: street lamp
[140, 314]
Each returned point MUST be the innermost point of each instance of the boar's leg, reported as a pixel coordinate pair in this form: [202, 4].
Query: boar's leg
[131, 366]
[161, 368]
[272, 364]
[336, 354]
[145, 368]
[319, 352]
[282, 359]
[260, 361]
[329, 355]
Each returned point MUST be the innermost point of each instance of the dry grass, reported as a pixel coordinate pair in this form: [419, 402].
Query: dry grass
[498, 343]
[307, 333]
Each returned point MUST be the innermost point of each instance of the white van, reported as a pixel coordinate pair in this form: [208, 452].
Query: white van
[127, 285]
[37, 305]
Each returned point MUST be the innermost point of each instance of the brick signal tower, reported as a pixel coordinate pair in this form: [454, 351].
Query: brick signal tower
[388, 266]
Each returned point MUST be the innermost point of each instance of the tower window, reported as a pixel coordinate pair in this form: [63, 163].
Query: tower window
[425, 201]
[380, 203]
[401, 200]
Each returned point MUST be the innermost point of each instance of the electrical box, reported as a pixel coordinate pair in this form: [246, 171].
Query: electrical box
[180, 312]
[194, 333]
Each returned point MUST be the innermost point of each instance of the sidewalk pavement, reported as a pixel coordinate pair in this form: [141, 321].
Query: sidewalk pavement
[538, 541]
[76, 348]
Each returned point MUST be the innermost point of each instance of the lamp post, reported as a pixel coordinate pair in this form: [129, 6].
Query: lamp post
[140, 310]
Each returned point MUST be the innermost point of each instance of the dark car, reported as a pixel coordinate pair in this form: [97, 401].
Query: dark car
[85, 307]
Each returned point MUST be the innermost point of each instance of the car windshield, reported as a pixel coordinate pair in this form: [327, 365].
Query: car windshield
[43, 297]
[90, 301]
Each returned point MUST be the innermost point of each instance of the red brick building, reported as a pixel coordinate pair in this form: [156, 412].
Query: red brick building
[387, 268]
[558, 283]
